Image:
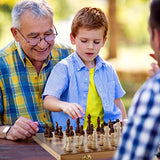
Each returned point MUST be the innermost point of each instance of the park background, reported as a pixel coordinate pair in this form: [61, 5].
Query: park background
[127, 47]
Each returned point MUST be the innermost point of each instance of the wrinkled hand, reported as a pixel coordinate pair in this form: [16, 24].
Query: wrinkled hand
[23, 129]
[73, 110]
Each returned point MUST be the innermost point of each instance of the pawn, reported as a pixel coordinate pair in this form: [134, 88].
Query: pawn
[112, 140]
[98, 125]
[102, 128]
[60, 134]
[50, 134]
[46, 130]
[81, 130]
[56, 129]
[77, 141]
[69, 146]
[89, 144]
[71, 133]
[101, 139]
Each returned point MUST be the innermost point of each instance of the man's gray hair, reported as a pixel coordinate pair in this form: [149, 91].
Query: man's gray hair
[39, 8]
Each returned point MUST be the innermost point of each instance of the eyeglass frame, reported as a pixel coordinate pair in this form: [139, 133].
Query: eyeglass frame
[38, 38]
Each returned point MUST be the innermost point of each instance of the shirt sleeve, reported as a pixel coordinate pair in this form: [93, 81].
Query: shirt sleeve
[57, 81]
[140, 137]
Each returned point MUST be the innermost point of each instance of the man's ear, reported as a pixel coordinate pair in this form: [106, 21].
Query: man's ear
[72, 38]
[15, 33]
[157, 38]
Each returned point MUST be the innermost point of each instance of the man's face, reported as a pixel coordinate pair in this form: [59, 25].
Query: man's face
[32, 27]
[154, 42]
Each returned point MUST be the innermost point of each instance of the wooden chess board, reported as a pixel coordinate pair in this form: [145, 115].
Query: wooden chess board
[55, 146]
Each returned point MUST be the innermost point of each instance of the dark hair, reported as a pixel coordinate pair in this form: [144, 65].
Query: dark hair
[154, 18]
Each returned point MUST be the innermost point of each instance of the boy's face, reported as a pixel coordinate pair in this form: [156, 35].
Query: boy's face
[88, 44]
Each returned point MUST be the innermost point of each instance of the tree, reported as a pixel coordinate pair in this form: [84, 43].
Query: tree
[112, 29]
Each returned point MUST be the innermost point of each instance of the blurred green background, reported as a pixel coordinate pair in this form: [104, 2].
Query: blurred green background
[129, 26]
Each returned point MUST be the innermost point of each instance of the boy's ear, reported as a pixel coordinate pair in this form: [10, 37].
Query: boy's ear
[157, 38]
[15, 33]
[72, 39]
[104, 41]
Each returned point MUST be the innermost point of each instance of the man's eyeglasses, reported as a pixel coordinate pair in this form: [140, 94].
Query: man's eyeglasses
[34, 41]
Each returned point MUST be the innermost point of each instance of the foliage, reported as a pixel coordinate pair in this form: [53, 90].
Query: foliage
[133, 21]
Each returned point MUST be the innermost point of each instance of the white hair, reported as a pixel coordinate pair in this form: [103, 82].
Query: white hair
[39, 8]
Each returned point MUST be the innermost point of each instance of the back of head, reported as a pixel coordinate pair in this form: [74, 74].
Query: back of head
[89, 18]
[39, 8]
[154, 19]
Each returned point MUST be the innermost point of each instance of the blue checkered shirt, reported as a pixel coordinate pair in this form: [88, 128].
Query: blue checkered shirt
[141, 135]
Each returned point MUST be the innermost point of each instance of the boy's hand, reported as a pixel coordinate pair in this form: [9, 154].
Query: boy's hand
[74, 110]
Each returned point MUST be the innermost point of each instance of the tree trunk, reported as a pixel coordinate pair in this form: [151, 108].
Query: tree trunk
[112, 29]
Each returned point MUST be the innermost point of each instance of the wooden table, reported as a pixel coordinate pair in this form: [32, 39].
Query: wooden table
[24, 150]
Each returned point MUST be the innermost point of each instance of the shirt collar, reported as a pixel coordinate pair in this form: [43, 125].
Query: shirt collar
[80, 64]
[23, 56]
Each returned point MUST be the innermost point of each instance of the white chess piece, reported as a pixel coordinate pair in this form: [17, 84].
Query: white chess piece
[101, 140]
[77, 141]
[89, 144]
[94, 141]
[69, 146]
[81, 143]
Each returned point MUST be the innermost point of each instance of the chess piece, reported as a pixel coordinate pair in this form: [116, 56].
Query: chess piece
[56, 129]
[89, 124]
[69, 146]
[81, 130]
[77, 141]
[60, 134]
[71, 133]
[101, 139]
[50, 134]
[89, 144]
[46, 130]
[102, 129]
[111, 129]
[112, 140]
[81, 143]
[94, 140]
[68, 126]
[77, 128]
[98, 125]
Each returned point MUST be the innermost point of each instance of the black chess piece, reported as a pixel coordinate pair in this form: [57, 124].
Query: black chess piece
[98, 125]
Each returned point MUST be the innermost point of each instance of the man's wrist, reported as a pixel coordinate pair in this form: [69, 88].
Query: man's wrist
[5, 131]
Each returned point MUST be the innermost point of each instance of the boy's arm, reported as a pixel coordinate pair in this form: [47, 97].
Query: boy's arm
[53, 104]
[120, 105]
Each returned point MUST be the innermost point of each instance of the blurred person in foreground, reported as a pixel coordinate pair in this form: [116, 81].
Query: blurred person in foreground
[25, 65]
[141, 135]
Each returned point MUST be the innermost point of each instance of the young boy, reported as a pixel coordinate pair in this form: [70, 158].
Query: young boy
[83, 83]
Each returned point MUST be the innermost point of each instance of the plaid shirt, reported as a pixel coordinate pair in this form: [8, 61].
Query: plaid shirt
[21, 87]
[141, 135]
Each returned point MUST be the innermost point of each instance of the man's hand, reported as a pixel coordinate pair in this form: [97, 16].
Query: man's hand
[23, 129]
[154, 67]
